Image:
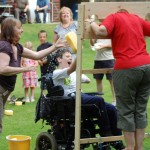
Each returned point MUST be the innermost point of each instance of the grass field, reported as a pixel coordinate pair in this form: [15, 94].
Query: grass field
[22, 122]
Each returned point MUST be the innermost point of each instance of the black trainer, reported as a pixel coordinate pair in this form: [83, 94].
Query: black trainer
[104, 146]
[118, 145]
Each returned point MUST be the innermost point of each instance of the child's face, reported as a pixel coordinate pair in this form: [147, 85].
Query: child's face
[66, 60]
[43, 37]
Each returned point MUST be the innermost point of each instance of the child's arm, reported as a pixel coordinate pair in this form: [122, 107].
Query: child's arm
[102, 45]
[36, 63]
[40, 62]
[85, 79]
[72, 67]
[44, 60]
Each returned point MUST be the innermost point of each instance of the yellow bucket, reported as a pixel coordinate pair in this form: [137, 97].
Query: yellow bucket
[18, 142]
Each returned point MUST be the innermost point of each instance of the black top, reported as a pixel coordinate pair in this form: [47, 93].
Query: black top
[8, 82]
[49, 67]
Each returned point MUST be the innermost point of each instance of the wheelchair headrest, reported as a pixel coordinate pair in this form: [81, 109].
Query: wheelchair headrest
[49, 80]
[53, 90]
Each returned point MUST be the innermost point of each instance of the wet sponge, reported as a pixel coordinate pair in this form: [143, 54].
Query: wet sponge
[8, 112]
[71, 38]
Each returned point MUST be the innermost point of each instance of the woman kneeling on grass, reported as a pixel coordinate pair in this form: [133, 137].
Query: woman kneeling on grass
[10, 56]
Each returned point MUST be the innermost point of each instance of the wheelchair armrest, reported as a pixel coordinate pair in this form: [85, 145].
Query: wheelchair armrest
[87, 109]
[60, 98]
[95, 93]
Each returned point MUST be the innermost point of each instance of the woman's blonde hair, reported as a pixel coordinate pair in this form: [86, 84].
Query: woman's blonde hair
[61, 11]
[28, 45]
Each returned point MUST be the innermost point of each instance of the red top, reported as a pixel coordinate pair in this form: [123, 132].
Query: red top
[127, 32]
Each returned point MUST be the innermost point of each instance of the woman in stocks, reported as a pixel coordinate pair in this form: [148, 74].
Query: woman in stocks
[65, 26]
[10, 56]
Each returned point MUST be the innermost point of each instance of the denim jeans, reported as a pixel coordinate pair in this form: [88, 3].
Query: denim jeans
[38, 20]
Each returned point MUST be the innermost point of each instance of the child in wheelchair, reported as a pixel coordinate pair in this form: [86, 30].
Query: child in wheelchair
[65, 76]
[60, 111]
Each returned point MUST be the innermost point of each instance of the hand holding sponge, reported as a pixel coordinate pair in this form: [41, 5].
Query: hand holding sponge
[71, 38]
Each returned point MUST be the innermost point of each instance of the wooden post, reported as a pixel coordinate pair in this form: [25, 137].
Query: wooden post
[78, 77]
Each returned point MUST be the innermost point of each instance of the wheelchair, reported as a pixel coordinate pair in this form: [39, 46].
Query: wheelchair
[61, 119]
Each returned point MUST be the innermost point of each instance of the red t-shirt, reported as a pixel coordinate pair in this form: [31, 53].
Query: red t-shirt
[128, 32]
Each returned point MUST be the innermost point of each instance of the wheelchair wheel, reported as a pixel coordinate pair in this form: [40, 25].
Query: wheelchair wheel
[46, 141]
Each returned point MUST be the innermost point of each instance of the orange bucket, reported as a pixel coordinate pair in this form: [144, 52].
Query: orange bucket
[18, 142]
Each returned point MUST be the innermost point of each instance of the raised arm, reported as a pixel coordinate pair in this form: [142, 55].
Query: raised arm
[72, 68]
[98, 30]
[41, 54]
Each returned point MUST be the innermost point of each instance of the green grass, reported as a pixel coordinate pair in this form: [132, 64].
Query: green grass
[22, 122]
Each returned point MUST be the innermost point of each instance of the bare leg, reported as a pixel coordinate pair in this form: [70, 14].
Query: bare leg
[99, 85]
[139, 137]
[130, 140]
[32, 94]
[32, 91]
[26, 92]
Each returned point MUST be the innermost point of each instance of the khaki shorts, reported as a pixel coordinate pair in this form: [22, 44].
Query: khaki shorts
[132, 88]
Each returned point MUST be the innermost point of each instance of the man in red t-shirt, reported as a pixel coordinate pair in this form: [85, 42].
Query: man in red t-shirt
[131, 75]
